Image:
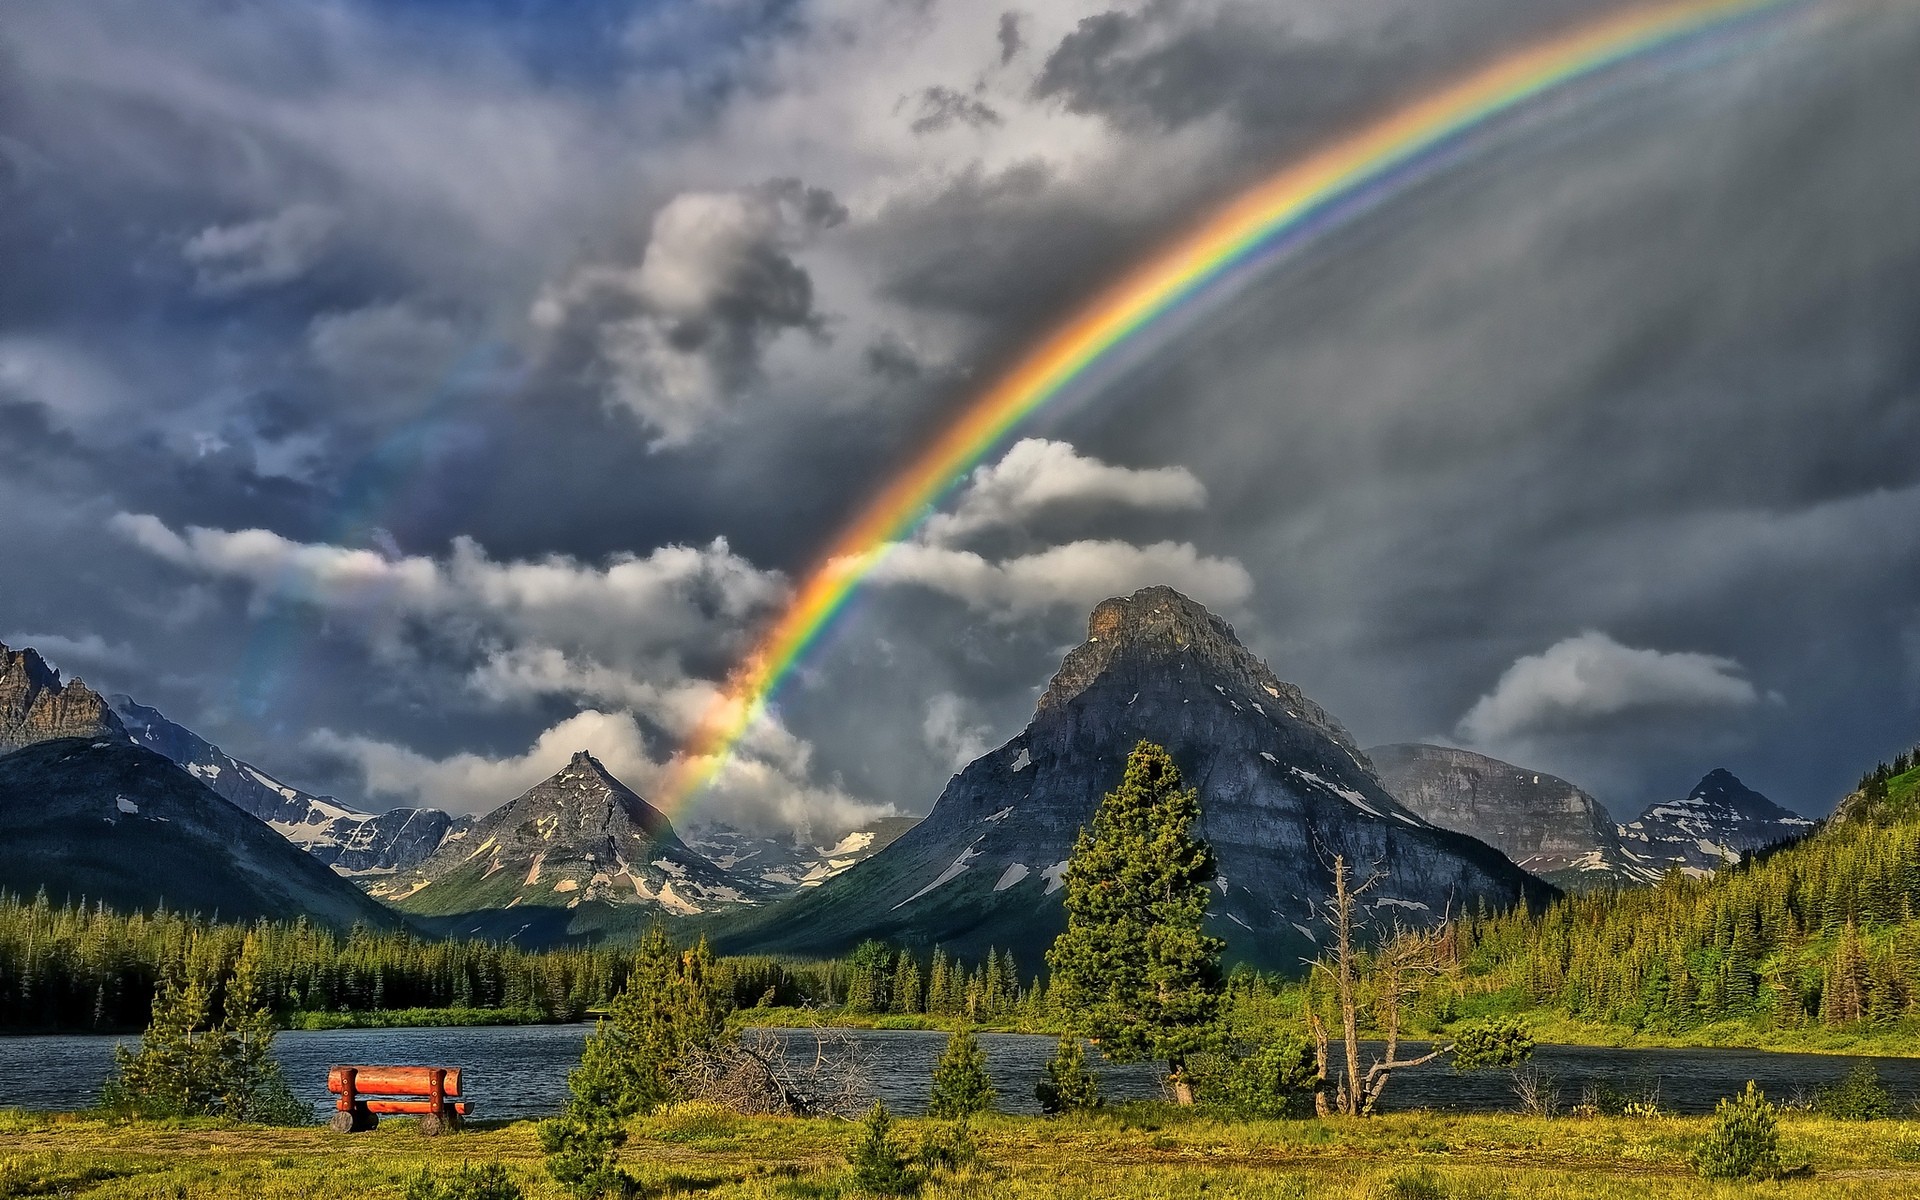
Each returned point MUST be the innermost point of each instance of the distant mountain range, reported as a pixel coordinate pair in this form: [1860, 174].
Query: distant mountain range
[1283, 789]
[100, 819]
[347, 839]
[1714, 824]
[1561, 833]
[1545, 824]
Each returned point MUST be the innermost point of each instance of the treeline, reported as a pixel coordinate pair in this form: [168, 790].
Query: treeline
[85, 967]
[880, 979]
[1822, 931]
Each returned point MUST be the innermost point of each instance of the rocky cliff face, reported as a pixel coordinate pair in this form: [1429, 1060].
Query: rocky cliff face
[579, 839]
[1718, 821]
[36, 707]
[350, 841]
[1283, 789]
[1543, 823]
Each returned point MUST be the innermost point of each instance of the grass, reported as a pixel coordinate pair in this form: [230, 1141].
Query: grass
[409, 1018]
[1145, 1152]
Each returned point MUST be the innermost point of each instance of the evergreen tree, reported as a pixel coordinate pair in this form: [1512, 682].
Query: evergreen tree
[877, 1163]
[669, 1009]
[960, 1084]
[938, 983]
[906, 985]
[1134, 966]
[1068, 1086]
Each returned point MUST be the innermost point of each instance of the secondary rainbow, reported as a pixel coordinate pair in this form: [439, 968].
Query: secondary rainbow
[1290, 206]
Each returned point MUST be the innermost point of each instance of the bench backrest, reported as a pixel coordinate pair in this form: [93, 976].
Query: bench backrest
[395, 1081]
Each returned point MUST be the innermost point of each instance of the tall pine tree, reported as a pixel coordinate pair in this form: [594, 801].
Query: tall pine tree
[1134, 967]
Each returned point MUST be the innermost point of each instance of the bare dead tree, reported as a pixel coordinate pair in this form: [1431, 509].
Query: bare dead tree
[1402, 967]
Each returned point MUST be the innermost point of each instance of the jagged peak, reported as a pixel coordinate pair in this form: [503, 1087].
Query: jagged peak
[1161, 625]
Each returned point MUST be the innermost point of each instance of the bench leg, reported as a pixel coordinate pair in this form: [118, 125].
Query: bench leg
[433, 1124]
[355, 1120]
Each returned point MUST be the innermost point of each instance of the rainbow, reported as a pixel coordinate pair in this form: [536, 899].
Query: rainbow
[1288, 208]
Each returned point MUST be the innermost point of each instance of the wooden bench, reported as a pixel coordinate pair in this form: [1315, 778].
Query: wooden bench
[427, 1091]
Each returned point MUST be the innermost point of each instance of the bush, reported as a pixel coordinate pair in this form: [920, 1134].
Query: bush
[1068, 1085]
[1857, 1096]
[489, 1181]
[950, 1147]
[960, 1084]
[1501, 1043]
[580, 1151]
[1744, 1142]
[878, 1165]
[1275, 1080]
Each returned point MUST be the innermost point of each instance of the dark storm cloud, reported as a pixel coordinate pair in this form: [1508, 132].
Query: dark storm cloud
[942, 107]
[1643, 366]
[677, 335]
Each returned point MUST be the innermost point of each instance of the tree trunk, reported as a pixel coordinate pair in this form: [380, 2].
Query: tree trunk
[1349, 1008]
[1180, 1082]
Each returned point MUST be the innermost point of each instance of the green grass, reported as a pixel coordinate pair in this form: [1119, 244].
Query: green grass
[840, 1018]
[407, 1018]
[1140, 1152]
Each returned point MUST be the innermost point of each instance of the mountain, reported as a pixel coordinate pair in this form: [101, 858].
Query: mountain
[1543, 823]
[560, 859]
[1283, 789]
[791, 863]
[36, 707]
[106, 820]
[350, 841]
[1717, 822]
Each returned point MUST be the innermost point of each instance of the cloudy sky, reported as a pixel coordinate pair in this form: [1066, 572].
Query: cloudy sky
[408, 394]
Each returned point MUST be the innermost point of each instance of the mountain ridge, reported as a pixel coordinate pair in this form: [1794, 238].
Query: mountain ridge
[1283, 789]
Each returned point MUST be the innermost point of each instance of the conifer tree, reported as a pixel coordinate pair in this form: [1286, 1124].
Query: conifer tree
[938, 983]
[960, 1084]
[1067, 1086]
[1134, 967]
[906, 985]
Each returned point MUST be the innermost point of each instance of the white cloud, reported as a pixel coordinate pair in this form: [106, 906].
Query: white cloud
[1036, 474]
[64, 652]
[1590, 676]
[748, 792]
[674, 598]
[675, 338]
[251, 254]
[1078, 574]
[952, 730]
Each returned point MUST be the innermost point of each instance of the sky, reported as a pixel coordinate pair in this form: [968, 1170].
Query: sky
[407, 395]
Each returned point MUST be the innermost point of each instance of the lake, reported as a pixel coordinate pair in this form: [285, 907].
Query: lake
[521, 1071]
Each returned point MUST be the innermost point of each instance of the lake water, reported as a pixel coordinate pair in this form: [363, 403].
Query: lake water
[521, 1071]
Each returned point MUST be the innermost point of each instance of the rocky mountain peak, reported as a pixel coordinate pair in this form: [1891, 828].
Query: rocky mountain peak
[1283, 792]
[1157, 632]
[36, 707]
[1718, 821]
[578, 837]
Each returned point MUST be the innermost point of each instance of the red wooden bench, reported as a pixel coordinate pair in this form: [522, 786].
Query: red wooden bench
[427, 1091]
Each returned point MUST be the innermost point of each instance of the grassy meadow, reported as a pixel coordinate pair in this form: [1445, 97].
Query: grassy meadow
[1149, 1151]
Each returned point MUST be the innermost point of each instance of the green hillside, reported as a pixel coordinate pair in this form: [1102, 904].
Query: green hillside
[1817, 938]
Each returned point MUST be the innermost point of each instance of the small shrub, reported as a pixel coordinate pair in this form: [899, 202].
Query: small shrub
[949, 1147]
[580, 1150]
[878, 1165]
[960, 1084]
[489, 1181]
[1068, 1085]
[1857, 1096]
[1502, 1043]
[1744, 1142]
[1906, 1149]
[1275, 1080]
[1418, 1184]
